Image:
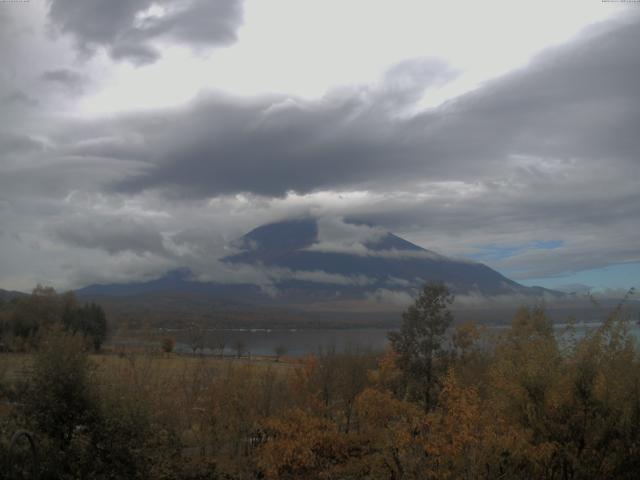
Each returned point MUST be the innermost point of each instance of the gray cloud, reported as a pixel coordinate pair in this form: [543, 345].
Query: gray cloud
[393, 297]
[16, 143]
[129, 28]
[136, 53]
[542, 124]
[19, 98]
[113, 235]
[73, 82]
[268, 277]
[548, 152]
[268, 146]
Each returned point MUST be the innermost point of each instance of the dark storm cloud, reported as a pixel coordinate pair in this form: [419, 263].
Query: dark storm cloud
[135, 53]
[122, 27]
[220, 148]
[221, 145]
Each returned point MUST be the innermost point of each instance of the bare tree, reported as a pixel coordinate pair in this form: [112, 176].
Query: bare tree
[239, 346]
[196, 337]
[219, 341]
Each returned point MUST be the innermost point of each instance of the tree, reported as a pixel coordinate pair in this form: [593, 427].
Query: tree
[58, 399]
[420, 339]
[45, 308]
[86, 427]
[40, 309]
[464, 338]
[219, 341]
[167, 344]
[196, 337]
[279, 350]
[392, 429]
[89, 320]
[353, 366]
[93, 324]
[300, 445]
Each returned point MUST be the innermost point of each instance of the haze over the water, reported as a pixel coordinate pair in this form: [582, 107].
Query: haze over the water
[146, 136]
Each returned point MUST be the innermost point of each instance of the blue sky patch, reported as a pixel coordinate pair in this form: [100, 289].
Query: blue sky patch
[622, 276]
[495, 252]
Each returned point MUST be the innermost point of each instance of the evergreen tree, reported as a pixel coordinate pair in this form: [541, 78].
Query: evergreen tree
[420, 340]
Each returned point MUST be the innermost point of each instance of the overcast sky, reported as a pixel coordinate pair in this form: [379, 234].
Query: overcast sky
[139, 136]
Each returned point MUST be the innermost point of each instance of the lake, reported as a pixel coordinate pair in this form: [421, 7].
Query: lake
[298, 342]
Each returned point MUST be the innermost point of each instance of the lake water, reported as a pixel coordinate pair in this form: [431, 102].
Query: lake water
[295, 342]
[298, 342]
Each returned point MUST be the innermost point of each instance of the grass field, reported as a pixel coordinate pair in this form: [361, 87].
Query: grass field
[17, 366]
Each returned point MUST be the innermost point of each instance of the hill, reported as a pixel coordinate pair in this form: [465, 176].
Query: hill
[6, 295]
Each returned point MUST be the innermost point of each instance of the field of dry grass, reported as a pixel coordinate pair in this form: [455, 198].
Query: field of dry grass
[213, 404]
[16, 366]
[173, 383]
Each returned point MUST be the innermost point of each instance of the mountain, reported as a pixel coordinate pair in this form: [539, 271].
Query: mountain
[382, 261]
[7, 295]
[178, 281]
[299, 262]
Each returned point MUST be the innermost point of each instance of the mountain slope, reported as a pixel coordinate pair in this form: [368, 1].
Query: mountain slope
[385, 261]
[7, 295]
[306, 260]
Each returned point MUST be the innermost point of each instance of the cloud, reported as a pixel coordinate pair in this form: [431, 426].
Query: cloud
[135, 53]
[337, 236]
[394, 297]
[200, 250]
[578, 288]
[113, 235]
[533, 129]
[19, 98]
[270, 278]
[73, 82]
[362, 251]
[219, 147]
[335, 230]
[272, 145]
[479, 301]
[545, 153]
[17, 144]
[131, 29]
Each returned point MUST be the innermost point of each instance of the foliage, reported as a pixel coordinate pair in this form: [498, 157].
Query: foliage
[301, 445]
[23, 320]
[89, 320]
[523, 403]
[58, 398]
[85, 430]
[167, 344]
